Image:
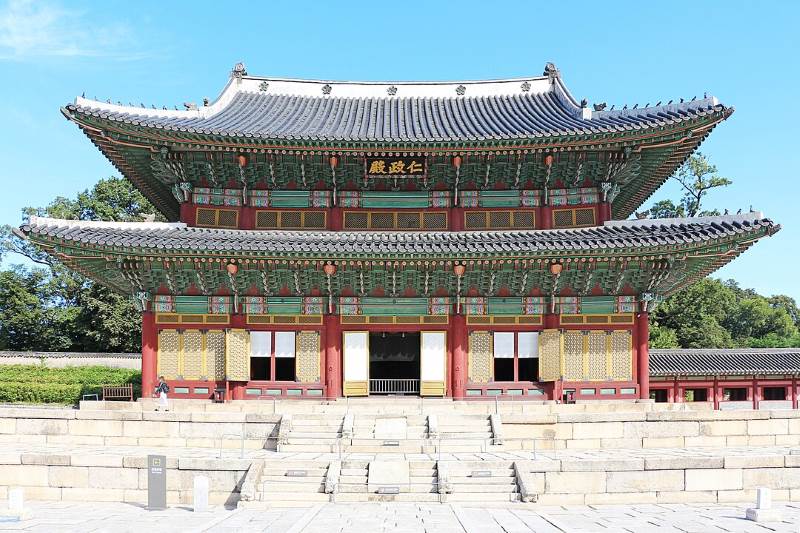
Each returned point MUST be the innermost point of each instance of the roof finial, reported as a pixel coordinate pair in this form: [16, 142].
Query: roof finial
[584, 103]
[551, 71]
[600, 106]
[239, 71]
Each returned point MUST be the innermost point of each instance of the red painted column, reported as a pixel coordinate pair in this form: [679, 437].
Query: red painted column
[247, 218]
[238, 390]
[551, 321]
[715, 392]
[456, 222]
[335, 219]
[756, 394]
[323, 343]
[546, 221]
[459, 384]
[149, 353]
[793, 393]
[643, 366]
[187, 213]
[604, 212]
[333, 356]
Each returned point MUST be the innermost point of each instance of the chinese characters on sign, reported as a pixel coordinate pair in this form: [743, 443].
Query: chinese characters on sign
[395, 166]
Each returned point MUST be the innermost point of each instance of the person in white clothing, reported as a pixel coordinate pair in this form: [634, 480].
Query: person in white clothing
[161, 390]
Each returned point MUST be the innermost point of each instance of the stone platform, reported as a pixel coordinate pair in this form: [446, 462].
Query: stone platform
[265, 454]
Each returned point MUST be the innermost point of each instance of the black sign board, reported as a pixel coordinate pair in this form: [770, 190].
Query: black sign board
[156, 482]
[395, 166]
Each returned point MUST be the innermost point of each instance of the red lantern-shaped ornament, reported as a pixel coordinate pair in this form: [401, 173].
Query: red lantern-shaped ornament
[232, 268]
[457, 161]
[329, 269]
[548, 160]
[242, 160]
[555, 269]
[334, 161]
[459, 270]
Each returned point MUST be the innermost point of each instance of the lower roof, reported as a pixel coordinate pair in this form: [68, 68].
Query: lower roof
[724, 362]
[155, 237]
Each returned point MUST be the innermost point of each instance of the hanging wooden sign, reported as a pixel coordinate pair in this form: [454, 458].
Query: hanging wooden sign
[395, 166]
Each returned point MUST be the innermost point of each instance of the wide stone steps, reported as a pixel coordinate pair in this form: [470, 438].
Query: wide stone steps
[293, 486]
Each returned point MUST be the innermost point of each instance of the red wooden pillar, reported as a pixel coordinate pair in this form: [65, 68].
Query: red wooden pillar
[456, 222]
[756, 394]
[551, 321]
[715, 392]
[323, 343]
[335, 219]
[459, 376]
[247, 218]
[187, 213]
[546, 221]
[149, 353]
[643, 356]
[238, 390]
[793, 393]
[604, 212]
[333, 356]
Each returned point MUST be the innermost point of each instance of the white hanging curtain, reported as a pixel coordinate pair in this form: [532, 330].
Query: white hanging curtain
[284, 344]
[503, 345]
[260, 344]
[528, 345]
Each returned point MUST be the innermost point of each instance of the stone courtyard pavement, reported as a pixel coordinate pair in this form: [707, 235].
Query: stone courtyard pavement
[52, 517]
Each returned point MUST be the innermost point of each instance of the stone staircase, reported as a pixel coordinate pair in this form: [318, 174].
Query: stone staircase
[353, 477]
[312, 433]
[464, 433]
[288, 483]
[481, 481]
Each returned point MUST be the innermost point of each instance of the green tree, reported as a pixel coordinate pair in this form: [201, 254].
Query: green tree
[716, 314]
[58, 309]
[697, 177]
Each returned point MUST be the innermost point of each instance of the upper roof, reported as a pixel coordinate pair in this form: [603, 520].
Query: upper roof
[729, 362]
[417, 112]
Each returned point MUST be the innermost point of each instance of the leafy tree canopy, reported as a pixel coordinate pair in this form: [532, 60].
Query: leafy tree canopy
[52, 308]
[717, 314]
[697, 177]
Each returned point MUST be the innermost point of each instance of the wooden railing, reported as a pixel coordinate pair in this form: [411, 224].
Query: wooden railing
[394, 386]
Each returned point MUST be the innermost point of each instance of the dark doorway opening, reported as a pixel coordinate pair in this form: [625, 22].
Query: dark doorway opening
[659, 395]
[774, 393]
[394, 363]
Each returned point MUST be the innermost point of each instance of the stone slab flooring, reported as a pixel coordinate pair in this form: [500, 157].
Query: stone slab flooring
[51, 517]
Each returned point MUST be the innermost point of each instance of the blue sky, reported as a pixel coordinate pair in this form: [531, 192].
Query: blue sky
[167, 53]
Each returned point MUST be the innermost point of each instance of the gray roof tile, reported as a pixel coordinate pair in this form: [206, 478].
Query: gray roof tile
[617, 234]
[729, 362]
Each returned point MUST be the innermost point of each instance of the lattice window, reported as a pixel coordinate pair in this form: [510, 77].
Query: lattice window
[215, 355]
[480, 357]
[562, 218]
[237, 356]
[290, 219]
[621, 355]
[500, 220]
[169, 353]
[549, 355]
[408, 221]
[573, 355]
[314, 219]
[356, 221]
[192, 354]
[434, 221]
[307, 358]
[571, 218]
[596, 356]
[266, 219]
[217, 218]
[381, 221]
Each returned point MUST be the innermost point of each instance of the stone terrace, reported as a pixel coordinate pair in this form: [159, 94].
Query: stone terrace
[296, 453]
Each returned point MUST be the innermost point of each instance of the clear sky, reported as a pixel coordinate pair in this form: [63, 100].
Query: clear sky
[166, 53]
